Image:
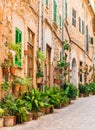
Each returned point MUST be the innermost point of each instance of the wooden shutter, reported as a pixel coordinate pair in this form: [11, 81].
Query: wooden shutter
[18, 40]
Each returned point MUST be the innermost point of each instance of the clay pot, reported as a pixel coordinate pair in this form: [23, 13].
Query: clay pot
[39, 80]
[12, 70]
[26, 52]
[9, 120]
[1, 122]
[5, 71]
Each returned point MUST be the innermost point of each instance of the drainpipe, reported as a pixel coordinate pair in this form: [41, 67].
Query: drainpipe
[63, 32]
[43, 42]
[39, 23]
[63, 23]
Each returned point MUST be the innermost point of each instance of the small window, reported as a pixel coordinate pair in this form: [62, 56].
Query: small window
[74, 17]
[79, 24]
[91, 40]
[30, 36]
[83, 27]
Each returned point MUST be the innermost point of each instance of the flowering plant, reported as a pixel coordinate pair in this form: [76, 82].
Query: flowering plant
[1, 112]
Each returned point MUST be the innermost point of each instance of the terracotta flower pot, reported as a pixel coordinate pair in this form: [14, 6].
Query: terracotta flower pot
[39, 80]
[23, 89]
[12, 70]
[16, 88]
[5, 71]
[26, 52]
[57, 81]
[9, 120]
[1, 122]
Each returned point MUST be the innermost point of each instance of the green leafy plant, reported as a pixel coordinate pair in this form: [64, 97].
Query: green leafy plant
[6, 64]
[5, 86]
[66, 45]
[1, 112]
[39, 74]
[17, 48]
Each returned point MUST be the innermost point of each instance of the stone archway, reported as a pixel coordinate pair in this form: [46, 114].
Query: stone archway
[74, 72]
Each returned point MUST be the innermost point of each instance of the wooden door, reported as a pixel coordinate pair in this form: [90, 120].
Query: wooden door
[30, 61]
[47, 67]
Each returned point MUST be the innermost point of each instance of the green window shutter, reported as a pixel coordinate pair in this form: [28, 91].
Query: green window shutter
[66, 10]
[60, 20]
[46, 2]
[18, 40]
[55, 11]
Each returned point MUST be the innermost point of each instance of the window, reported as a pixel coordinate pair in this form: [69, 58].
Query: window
[18, 40]
[91, 40]
[60, 20]
[30, 53]
[54, 11]
[74, 17]
[83, 27]
[30, 36]
[79, 24]
[46, 2]
[66, 10]
[81, 71]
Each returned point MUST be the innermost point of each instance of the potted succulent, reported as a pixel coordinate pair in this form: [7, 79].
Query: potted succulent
[1, 117]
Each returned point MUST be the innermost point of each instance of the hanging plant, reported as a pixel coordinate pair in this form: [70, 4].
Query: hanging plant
[66, 45]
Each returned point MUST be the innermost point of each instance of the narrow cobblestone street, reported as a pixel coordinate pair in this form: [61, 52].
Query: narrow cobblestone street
[80, 115]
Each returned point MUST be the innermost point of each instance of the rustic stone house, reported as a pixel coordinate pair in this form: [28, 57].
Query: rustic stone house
[39, 24]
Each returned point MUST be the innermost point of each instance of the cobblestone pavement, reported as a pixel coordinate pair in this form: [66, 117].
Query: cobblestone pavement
[80, 115]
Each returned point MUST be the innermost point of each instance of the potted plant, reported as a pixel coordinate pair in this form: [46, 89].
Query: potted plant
[1, 117]
[26, 52]
[13, 68]
[9, 106]
[25, 84]
[17, 86]
[5, 66]
[39, 76]
[5, 86]
[66, 45]
[16, 48]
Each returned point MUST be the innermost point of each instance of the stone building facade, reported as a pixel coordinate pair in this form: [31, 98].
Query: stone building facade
[39, 23]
